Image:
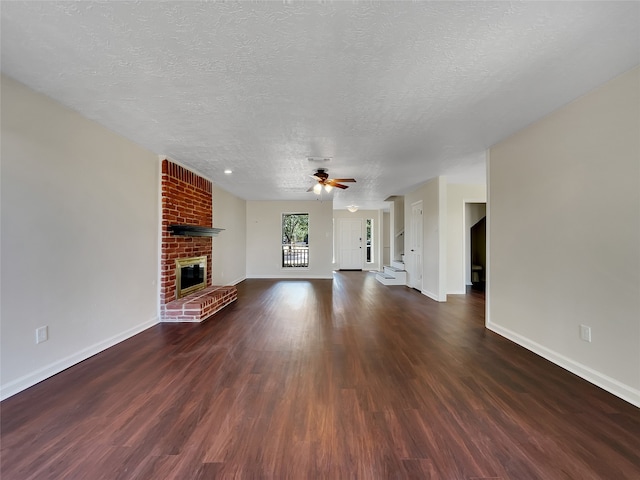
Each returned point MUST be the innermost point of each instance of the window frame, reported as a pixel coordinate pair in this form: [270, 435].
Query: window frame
[297, 251]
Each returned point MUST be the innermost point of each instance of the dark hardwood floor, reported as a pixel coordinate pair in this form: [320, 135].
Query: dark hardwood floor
[318, 379]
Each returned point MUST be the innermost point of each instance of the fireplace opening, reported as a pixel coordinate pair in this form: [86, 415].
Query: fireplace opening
[191, 275]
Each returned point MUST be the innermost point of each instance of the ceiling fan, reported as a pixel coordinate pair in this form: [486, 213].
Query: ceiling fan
[323, 180]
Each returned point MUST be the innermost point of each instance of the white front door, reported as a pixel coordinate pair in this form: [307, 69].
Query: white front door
[413, 257]
[350, 253]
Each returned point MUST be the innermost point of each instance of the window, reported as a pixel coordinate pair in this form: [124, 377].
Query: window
[295, 240]
[370, 258]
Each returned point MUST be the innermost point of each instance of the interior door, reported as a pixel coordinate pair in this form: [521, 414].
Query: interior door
[350, 244]
[413, 257]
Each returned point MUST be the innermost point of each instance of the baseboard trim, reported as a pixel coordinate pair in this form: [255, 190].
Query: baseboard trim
[611, 385]
[236, 281]
[29, 380]
[432, 296]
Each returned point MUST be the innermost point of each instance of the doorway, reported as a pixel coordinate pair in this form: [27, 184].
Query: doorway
[475, 244]
[479, 253]
[350, 256]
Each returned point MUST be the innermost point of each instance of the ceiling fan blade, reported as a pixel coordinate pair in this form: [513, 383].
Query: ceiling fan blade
[333, 182]
[322, 178]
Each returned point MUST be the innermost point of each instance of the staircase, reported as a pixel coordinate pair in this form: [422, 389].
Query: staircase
[394, 274]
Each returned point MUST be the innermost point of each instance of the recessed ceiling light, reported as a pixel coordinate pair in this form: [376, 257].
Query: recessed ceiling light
[228, 171]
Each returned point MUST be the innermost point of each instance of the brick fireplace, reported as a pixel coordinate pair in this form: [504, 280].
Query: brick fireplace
[187, 200]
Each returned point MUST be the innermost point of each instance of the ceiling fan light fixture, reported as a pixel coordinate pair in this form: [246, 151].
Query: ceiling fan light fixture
[321, 176]
[352, 208]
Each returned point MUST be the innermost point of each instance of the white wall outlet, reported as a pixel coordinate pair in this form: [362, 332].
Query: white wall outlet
[585, 333]
[42, 334]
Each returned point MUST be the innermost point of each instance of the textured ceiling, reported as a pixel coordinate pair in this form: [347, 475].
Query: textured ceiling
[395, 92]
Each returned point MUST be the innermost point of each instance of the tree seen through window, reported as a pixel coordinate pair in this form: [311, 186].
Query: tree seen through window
[295, 240]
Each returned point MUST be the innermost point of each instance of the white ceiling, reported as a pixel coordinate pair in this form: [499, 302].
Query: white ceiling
[395, 92]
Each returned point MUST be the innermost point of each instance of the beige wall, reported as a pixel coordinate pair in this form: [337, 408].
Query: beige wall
[230, 246]
[264, 239]
[79, 223]
[396, 225]
[564, 236]
[457, 234]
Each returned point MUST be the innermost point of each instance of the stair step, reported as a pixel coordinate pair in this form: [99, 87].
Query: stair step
[385, 275]
[388, 279]
[393, 269]
[397, 264]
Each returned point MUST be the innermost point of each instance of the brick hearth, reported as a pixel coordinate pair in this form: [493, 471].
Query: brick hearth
[186, 200]
[200, 305]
